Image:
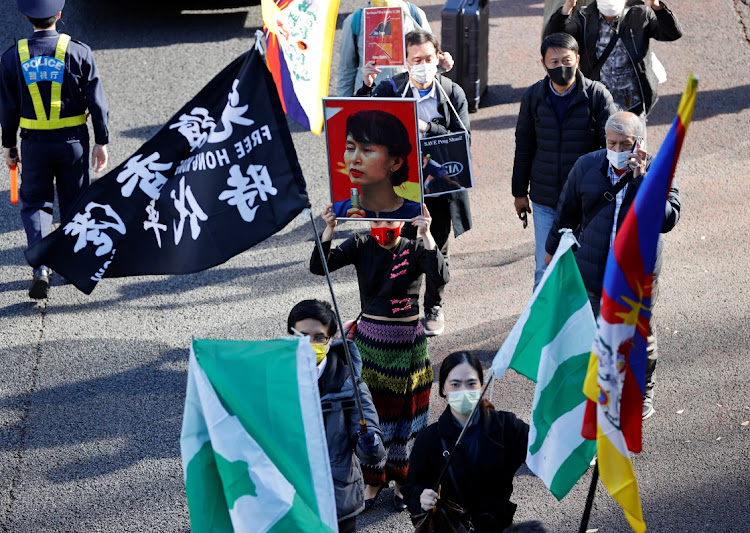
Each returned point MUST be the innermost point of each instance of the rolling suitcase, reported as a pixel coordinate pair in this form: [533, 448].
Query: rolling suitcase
[465, 34]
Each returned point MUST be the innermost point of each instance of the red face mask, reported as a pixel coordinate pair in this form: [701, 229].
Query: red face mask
[385, 235]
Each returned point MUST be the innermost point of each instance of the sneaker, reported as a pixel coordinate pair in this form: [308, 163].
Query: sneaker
[434, 322]
[39, 284]
[648, 404]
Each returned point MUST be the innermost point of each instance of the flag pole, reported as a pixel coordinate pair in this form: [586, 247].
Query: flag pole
[589, 499]
[344, 336]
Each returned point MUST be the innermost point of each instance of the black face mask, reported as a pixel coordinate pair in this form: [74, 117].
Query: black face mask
[562, 75]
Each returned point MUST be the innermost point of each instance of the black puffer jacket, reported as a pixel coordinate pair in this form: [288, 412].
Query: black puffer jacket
[586, 184]
[547, 149]
[637, 26]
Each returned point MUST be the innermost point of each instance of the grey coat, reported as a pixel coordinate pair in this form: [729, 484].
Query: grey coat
[352, 52]
[342, 428]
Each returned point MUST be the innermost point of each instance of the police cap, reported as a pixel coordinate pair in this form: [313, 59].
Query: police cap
[40, 9]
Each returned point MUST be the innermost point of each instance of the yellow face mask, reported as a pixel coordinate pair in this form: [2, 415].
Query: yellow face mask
[382, 3]
[320, 351]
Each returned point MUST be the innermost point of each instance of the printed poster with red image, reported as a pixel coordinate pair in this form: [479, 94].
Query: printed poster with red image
[373, 158]
[384, 36]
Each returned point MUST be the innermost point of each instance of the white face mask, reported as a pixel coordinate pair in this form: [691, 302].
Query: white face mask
[463, 401]
[618, 160]
[610, 8]
[424, 72]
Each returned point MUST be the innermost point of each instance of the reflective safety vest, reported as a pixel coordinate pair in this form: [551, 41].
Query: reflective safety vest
[45, 68]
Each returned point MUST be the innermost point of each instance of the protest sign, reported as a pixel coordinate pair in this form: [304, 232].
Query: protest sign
[373, 158]
[384, 36]
[446, 163]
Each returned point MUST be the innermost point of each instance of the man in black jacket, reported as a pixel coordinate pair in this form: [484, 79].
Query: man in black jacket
[442, 108]
[580, 207]
[614, 36]
[562, 117]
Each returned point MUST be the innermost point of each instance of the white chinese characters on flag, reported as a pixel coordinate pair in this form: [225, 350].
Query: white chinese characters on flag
[219, 177]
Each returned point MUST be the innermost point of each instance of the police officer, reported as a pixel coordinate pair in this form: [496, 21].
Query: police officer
[47, 82]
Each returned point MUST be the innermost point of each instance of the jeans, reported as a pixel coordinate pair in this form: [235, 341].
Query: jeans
[544, 216]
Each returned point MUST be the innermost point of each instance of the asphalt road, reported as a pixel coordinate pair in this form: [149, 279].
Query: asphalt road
[92, 387]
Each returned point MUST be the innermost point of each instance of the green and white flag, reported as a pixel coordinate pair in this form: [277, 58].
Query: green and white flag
[550, 344]
[253, 443]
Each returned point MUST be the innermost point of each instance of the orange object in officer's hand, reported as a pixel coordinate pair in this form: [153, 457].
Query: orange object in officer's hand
[14, 179]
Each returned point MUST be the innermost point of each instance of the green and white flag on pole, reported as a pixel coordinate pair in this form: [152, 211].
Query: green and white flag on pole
[550, 344]
[253, 444]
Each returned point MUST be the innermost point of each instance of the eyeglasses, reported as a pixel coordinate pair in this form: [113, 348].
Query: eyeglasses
[314, 339]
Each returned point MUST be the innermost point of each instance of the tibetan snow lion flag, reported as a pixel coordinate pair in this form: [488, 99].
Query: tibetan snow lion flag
[253, 444]
[615, 381]
[219, 177]
[299, 43]
[550, 345]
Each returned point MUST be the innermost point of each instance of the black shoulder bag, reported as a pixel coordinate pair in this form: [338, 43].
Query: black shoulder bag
[608, 196]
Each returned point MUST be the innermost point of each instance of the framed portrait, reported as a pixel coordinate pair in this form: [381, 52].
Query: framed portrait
[384, 36]
[373, 158]
[446, 163]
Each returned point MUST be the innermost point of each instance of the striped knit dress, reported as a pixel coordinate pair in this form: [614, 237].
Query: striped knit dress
[398, 372]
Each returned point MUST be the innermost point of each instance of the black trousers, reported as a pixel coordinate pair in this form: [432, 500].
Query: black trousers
[49, 163]
[441, 230]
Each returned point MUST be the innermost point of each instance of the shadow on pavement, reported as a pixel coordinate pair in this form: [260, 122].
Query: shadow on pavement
[491, 258]
[126, 25]
[138, 411]
[708, 104]
[253, 283]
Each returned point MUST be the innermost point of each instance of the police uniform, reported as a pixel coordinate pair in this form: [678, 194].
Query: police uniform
[47, 84]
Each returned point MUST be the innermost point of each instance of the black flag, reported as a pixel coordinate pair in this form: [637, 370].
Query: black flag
[221, 176]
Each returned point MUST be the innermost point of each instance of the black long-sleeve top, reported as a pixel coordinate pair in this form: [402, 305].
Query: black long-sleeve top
[389, 280]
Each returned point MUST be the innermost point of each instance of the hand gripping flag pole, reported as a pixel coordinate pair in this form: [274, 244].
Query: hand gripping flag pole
[344, 336]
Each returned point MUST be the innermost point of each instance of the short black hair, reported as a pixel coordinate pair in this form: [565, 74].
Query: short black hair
[43, 23]
[559, 40]
[383, 128]
[316, 310]
[420, 37]
[455, 359]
